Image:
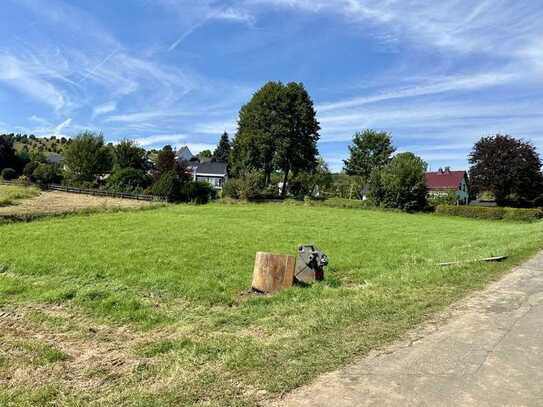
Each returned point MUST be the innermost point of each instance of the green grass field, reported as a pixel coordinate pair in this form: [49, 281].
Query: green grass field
[150, 308]
[10, 194]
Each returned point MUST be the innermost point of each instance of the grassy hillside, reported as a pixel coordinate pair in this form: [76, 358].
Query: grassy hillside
[150, 308]
[40, 144]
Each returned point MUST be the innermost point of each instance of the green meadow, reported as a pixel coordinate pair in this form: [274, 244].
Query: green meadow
[151, 308]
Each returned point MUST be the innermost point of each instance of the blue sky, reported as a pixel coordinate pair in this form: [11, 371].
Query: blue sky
[437, 75]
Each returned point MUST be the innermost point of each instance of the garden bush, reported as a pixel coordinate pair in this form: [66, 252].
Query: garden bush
[196, 192]
[231, 188]
[167, 187]
[492, 213]
[247, 187]
[128, 180]
[29, 169]
[47, 174]
[9, 174]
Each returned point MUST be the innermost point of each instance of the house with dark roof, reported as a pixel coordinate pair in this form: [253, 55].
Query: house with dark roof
[445, 181]
[212, 172]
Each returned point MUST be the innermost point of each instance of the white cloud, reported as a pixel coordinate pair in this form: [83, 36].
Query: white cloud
[148, 141]
[196, 148]
[435, 121]
[61, 126]
[104, 109]
[216, 128]
[454, 83]
[194, 15]
[497, 27]
[30, 80]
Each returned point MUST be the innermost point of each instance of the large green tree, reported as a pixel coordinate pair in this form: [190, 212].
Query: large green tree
[370, 150]
[222, 152]
[277, 130]
[507, 167]
[129, 155]
[87, 157]
[400, 184]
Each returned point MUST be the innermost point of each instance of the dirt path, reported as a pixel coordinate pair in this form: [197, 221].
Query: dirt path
[489, 352]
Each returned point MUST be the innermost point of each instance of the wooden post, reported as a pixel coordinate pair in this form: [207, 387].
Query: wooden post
[273, 272]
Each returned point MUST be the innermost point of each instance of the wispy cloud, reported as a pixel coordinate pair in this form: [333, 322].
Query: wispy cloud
[451, 84]
[162, 139]
[30, 80]
[61, 126]
[194, 15]
[105, 108]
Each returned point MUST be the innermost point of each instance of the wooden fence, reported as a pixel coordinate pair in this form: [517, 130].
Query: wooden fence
[94, 192]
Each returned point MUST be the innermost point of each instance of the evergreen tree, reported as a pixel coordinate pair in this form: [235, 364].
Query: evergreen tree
[222, 152]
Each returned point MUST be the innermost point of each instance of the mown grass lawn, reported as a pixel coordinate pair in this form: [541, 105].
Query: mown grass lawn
[148, 308]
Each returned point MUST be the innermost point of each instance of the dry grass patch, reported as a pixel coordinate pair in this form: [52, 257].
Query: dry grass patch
[12, 194]
[51, 203]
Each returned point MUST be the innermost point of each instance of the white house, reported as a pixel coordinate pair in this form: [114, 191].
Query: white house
[444, 181]
[212, 172]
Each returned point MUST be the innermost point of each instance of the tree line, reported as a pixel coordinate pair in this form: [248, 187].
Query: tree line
[274, 153]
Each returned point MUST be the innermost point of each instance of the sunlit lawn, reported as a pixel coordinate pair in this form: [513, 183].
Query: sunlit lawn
[165, 290]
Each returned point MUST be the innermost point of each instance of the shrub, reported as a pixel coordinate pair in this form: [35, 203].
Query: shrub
[492, 213]
[9, 174]
[247, 187]
[29, 169]
[449, 199]
[231, 188]
[196, 192]
[167, 187]
[128, 180]
[47, 174]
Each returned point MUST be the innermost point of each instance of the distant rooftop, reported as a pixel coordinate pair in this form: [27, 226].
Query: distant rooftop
[444, 179]
[184, 154]
[54, 158]
[211, 167]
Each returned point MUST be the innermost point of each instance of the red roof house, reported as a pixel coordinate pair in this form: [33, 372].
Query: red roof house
[443, 181]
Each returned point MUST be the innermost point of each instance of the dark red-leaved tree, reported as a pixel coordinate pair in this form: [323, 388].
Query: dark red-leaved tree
[508, 167]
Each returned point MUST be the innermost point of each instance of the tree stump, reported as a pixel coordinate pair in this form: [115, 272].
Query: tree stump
[273, 272]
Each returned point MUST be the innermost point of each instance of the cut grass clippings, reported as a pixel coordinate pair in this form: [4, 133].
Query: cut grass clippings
[147, 306]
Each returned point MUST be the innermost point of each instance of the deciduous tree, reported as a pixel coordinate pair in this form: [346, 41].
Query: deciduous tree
[370, 150]
[400, 184]
[129, 155]
[278, 130]
[507, 167]
[87, 157]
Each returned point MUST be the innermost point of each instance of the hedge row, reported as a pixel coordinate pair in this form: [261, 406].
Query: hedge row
[493, 213]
